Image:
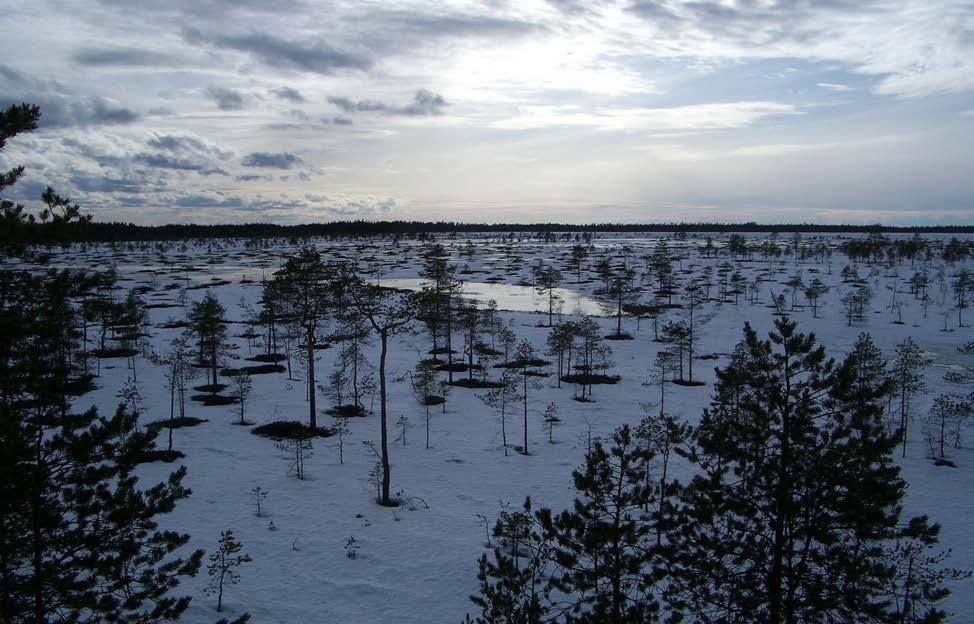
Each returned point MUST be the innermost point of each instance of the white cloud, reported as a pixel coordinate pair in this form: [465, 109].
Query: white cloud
[690, 118]
[915, 48]
[831, 86]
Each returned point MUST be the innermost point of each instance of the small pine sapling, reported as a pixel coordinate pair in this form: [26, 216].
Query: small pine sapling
[502, 399]
[258, 494]
[403, 423]
[341, 431]
[242, 385]
[424, 383]
[351, 547]
[551, 420]
[299, 448]
[223, 566]
[484, 522]
[445, 388]
[376, 472]
[588, 437]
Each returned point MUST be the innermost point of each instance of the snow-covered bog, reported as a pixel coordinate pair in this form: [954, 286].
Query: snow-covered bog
[322, 550]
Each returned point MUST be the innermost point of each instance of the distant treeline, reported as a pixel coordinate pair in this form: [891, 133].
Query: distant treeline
[115, 231]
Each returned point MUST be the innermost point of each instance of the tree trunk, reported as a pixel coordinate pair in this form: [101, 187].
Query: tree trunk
[551, 303]
[470, 340]
[690, 345]
[449, 336]
[775, 579]
[213, 367]
[219, 598]
[384, 334]
[311, 380]
[172, 410]
[36, 532]
[525, 411]
[619, 315]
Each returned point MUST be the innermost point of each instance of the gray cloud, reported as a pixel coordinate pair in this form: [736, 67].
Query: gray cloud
[271, 160]
[357, 106]
[12, 76]
[120, 56]
[287, 93]
[226, 99]
[185, 143]
[202, 200]
[351, 206]
[59, 111]
[571, 7]
[297, 114]
[59, 106]
[425, 103]
[107, 184]
[318, 57]
[403, 31]
[161, 161]
[252, 177]
[793, 21]
[183, 152]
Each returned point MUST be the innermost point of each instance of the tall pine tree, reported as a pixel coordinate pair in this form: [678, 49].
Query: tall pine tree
[78, 536]
[798, 499]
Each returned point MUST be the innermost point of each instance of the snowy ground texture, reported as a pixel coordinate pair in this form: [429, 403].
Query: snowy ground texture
[419, 564]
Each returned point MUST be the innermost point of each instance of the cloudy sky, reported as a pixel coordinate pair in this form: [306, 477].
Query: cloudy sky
[565, 110]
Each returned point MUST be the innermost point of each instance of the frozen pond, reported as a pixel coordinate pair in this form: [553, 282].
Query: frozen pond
[515, 298]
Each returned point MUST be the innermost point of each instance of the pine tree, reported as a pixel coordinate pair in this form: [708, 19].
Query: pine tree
[242, 386]
[223, 566]
[387, 314]
[619, 295]
[14, 120]
[425, 383]
[604, 564]
[551, 420]
[352, 369]
[798, 497]
[661, 266]
[560, 342]
[208, 322]
[592, 563]
[524, 358]
[962, 286]
[178, 373]
[549, 278]
[514, 582]
[469, 319]
[439, 298]
[578, 255]
[78, 538]
[665, 436]
[907, 371]
[304, 299]
[920, 574]
[502, 399]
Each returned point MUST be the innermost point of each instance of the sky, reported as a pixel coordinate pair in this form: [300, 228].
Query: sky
[295, 111]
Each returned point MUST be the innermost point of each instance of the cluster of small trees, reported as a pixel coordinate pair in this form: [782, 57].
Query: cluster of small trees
[944, 423]
[581, 354]
[793, 513]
